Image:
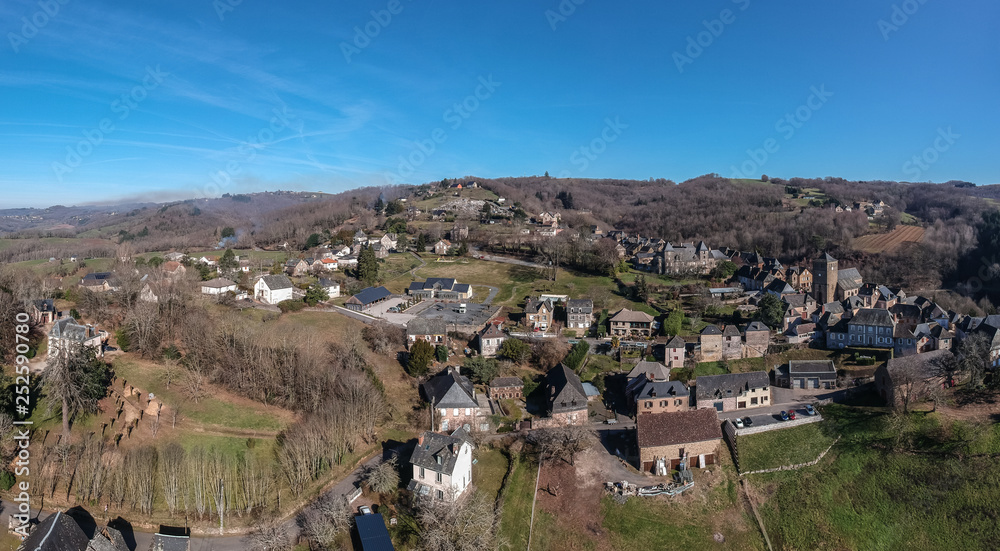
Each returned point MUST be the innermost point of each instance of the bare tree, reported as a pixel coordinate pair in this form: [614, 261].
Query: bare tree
[268, 535]
[383, 477]
[171, 468]
[144, 328]
[76, 378]
[324, 520]
[471, 525]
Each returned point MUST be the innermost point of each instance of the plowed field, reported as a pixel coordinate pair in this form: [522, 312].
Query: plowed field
[888, 242]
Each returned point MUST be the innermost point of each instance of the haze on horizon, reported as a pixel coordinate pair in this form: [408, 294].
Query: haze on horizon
[173, 100]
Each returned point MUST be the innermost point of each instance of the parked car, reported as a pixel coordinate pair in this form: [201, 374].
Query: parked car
[810, 410]
[365, 510]
[739, 423]
[784, 415]
[791, 414]
[748, 421]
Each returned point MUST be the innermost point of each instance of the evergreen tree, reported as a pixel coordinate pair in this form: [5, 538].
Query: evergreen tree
[379, 205]
[316, 294]
[421, 356]
[228, 263]
[368, 266]
[421, 243]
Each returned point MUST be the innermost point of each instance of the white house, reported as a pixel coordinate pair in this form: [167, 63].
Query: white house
[442, 465]
[218, 286]
[273, 289]
[332, 287]
[67, 333]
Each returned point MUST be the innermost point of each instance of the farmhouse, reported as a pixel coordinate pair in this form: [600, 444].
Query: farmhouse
[665, 440]
[430, 330]
[367, 298]
[904, 381]
[506, 388]
[272, 289]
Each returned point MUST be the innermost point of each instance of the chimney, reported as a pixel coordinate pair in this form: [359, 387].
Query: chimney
[420, 440]
[649, 376]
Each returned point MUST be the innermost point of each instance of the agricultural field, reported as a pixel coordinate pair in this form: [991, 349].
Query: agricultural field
[889, 242]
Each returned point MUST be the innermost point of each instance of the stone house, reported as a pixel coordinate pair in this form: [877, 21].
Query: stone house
[732, 343]
[442, 465]
[566, 397]
[430, 330]
[538, 314]
[491, 339]
[673, 352]
[506, 388]
[711, 344]
[579, 315]
[733, 391]
[667, 439]
[67, 334]
[911, 379]
[442, 247]
[662, 396]
[455, 402]
[631, 324]
[756, 339]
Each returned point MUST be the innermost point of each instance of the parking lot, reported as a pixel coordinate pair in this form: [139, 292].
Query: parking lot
[474, 314]
[762, 419]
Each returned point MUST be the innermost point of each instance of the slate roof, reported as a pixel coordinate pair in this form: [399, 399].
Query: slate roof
[532, 306]
[450, 389]
[756, 326]
[565, 390]
[680, 427]
[327, 283]
[506, 382]
[833, 308]
[632, 316]
[714, 387]
[439, 452]
[370, 295]
[849, 279]
[676, 342]
[45, 305]
[462, 288]
[799, 300]
[926, 365]
[879, 317]
[58, 532]
[492, 331]
[426, 326]
[584, 305]
[642, 369]
[218, 283]
[69, 328]
[731, 331]
[711, 330]
[662, 389]
[275, 282]
[108, 539]
[780, 287]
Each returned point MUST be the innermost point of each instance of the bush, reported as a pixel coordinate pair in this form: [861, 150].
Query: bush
[421, 356]
[171, 353]
[291, 306]
[441, 351]
[121, 336]
[574, 360]
[7, 480]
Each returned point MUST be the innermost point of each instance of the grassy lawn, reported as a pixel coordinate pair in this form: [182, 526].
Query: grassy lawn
[866, 496]
[598, 364]
[646, 523]
[710, 368]
[489, 470]
[791, 446]
[747, 364]
[518, 495]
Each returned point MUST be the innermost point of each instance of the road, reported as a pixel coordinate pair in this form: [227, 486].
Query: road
[505, 259]
[423, 263]
[143, 540]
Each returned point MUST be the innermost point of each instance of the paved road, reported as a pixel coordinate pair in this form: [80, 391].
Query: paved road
[143, 540]
[491, 296]
[423, 263]
[505, 259]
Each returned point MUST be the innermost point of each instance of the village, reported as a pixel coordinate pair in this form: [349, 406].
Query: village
[662, 395]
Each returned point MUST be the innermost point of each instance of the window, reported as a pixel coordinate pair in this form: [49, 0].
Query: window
[438, 477]
[468, 411]
[649, 405]
[444, 413]
[678, 402]
[753, 401]
[456, 412]
[663, 403]
[440, 495]
[763, 399]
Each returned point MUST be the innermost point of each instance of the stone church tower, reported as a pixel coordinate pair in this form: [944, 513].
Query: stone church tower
[824, 287]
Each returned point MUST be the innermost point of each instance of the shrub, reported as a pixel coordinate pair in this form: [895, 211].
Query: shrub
[7, 480]
[291, 306]
[441, 351]
[574, 360]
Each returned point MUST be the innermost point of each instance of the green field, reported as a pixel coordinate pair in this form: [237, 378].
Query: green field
[791, 446]
[710, 368]
[873, 492]
[518, 495]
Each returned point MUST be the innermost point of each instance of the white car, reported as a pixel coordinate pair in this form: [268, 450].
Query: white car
[365, 510]
[739, 423]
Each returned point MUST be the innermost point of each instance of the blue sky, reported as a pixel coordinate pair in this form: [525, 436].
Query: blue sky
[186, 99]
